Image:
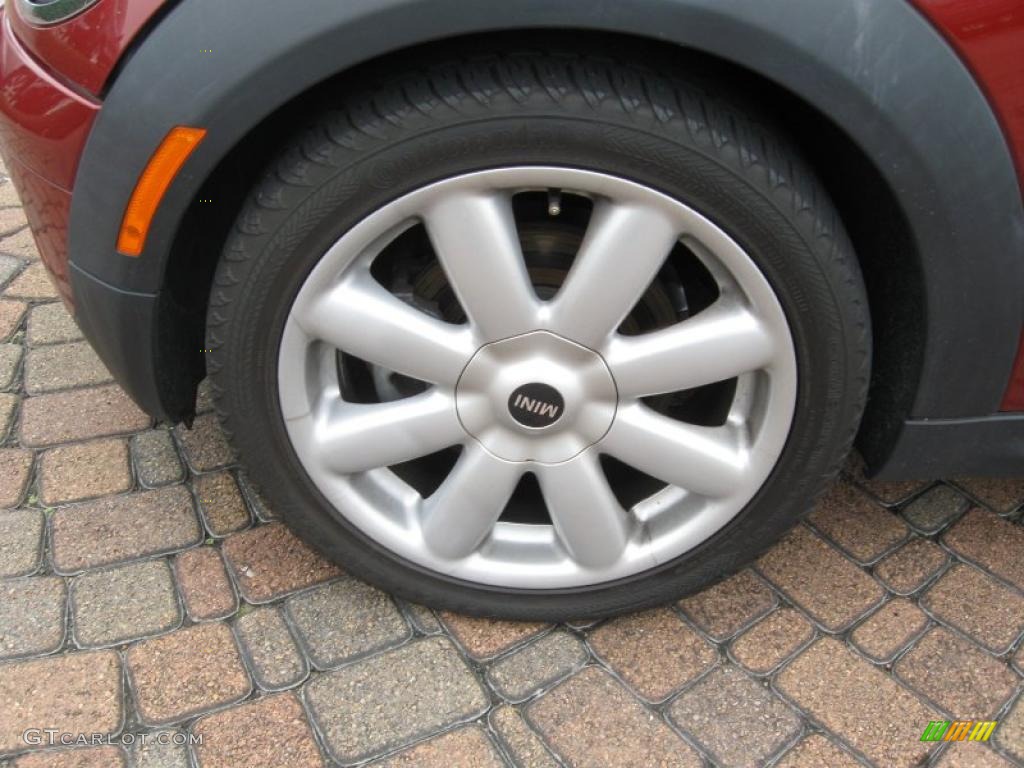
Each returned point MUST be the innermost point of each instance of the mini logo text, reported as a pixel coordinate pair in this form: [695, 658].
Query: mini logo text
[536, 406]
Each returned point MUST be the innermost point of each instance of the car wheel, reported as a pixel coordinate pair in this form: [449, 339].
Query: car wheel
[539, 335]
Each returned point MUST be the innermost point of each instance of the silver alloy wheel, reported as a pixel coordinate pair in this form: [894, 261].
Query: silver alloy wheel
[514, 343]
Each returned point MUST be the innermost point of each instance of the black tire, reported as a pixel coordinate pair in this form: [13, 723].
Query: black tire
[646, 123]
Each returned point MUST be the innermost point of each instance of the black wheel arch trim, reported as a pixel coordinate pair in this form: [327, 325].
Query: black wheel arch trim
[939, 448]
[871, 68]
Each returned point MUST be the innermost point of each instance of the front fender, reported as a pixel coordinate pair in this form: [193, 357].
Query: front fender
[876, 68]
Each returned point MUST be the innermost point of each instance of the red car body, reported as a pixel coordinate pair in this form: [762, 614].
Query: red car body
[51, 79]
[989, 35]
[54, 81]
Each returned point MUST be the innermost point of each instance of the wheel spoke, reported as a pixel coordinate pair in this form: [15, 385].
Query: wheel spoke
[458, 516]
[704, 460]
[355, 437]
[477, 243]
[622, 251]
[361, 317]
[722, 342]
[589, 520]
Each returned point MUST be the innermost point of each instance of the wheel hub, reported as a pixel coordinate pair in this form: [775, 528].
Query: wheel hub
[536, 397]
[507, 372]
[536, 405]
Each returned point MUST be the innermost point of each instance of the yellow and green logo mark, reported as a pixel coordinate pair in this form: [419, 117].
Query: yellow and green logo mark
[958, 730]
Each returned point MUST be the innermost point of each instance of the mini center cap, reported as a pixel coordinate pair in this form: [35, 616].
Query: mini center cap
[536, 397]
[536, 405]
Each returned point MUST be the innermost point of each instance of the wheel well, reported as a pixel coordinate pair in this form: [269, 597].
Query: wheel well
[872, 214]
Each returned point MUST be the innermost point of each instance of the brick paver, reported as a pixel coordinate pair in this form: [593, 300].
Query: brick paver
[21, 541]
[859, 702]
[11, 220]
[1009, 734]
[978, 605]
[816, 751]
[9, 267]
[21, 245]
[935, 509]
[84, 471]
[971, 754]
[467, 747]
[345, 620]
[889, 630]
[1002, 494]
[267, 733]
[519, 741]
[736, 719]
[78, 415]
[727, 607]
[257, 503]
[161, 749]
[484, 639]
[77, 693]
[276, 657]
[51, 324]
[373, 707]
[110, 607]
[520, 675]
[221, 504]
[82, 757]
[15, 465]
[772, 640]
[820, 579]
[990, 541]
[848, 516]
[156, 459]
[32, 616]
[911, 566]
[122, 528]
[63, 366]
[268, 646]
[654, 652]
[186, 672]
[10, 357]
[423, 619]
[591, 721]
[271, 562]
[205, 446]
[33, 283]
[957, 675]
[205, 586]
[8, 403]
[11, 312]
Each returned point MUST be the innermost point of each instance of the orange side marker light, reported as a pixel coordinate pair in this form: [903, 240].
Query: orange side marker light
[153, 184]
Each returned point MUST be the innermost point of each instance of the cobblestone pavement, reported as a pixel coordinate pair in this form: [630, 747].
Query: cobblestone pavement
[146, 590]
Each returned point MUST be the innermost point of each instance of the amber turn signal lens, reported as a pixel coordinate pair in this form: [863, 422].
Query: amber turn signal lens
[172, 153]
